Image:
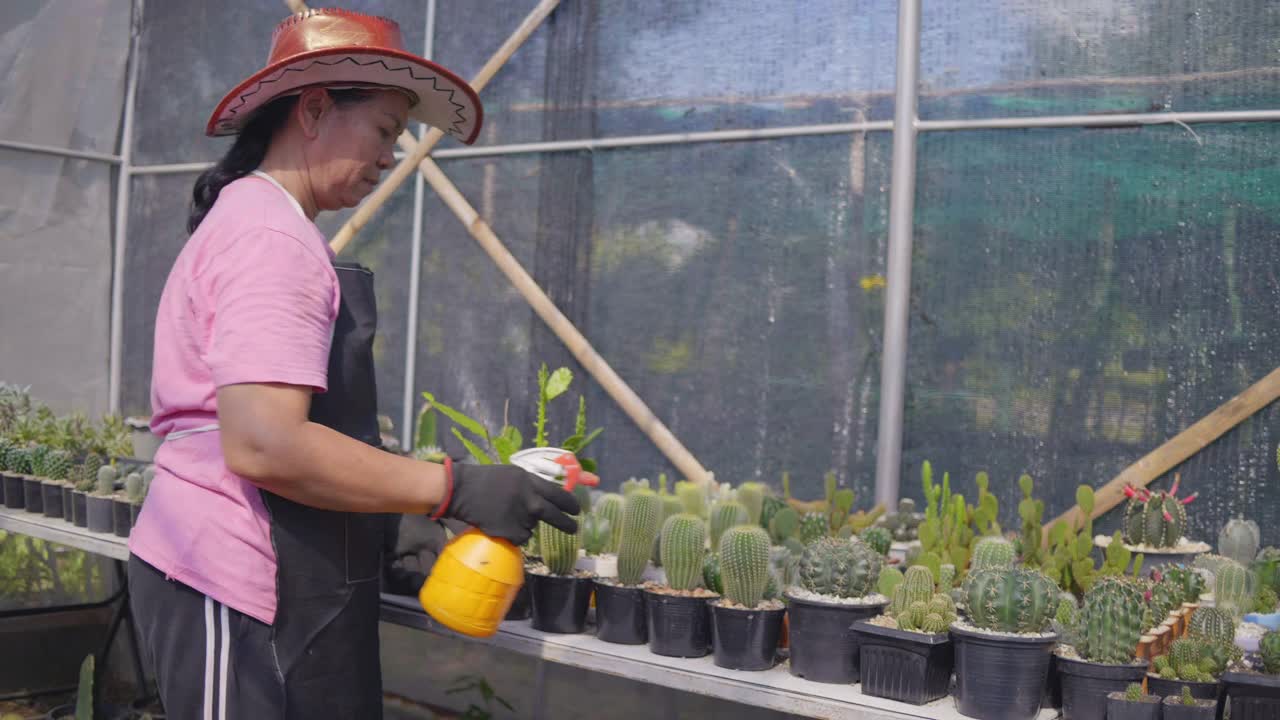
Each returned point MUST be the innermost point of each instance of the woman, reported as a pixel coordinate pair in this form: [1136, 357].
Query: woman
[254, 568]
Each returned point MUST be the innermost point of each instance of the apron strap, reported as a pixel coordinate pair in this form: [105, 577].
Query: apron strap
[179, 434]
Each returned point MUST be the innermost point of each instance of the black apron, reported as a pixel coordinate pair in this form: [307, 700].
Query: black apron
[327, 581]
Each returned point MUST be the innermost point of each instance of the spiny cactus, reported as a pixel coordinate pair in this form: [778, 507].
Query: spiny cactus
[609, 506]
[630, 485]
[1155, 519]
[889, 580]
[692, 497]
[1134, 693]
[1162, 598]
[1011, 599]
[1234, 587]
[946, 576]
[812, 526]
[671, 505]
[684, 540]
[917, 586]
[1187, 697]
[724, 515]
[559, 549]
[770, 507]
[641, 515]
[751, 495]
[1188, 582]
[1195, 660]
[57, 465]
[133, 487]
[992, 552]
[1269, 649]
[1111, 621]
[107, 475]
[1212, 623]
[1066, 621]
[784, 524]
[1031, 512]
[744, 563]
[1239, 540]
[86, 474]
[596, 531]
[712, 579]
[1267, 568]
[1265, 601]
[840, 568]
[917, 607]
[904, 523]
[878, 538]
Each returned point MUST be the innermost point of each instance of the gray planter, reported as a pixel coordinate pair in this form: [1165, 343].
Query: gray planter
[99, 514]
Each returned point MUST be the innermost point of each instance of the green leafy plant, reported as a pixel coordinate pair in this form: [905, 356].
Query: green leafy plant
[1071, 563]
[1031, 512]
[477, 683]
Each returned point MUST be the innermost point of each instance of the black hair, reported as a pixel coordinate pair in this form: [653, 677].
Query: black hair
[250, 148]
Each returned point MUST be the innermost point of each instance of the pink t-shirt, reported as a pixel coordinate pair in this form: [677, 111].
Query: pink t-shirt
[252, 298]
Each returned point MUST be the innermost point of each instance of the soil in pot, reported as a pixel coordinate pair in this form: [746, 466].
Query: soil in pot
[99, 516]
[620, 614]
[14, 496]
[121, 517]
[1163, 687]
[558, 603]
[1085, 685]
[79, 511]
[910, 667]
[33, 495]
[1252, 695]
[1176, 709]
[746, 638]
[1000, 676]
[679, 621]
[52, 498]
[1118, 708]
[823, 645]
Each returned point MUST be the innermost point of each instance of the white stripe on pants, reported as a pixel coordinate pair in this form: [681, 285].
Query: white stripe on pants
[221, 630]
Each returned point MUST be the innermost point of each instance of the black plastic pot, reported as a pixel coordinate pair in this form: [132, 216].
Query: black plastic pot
[823, 646]
[1000, 677]
[743, 639]
[52, 498]
[33, 495]
[1202, 710]
[1252, 696]
[121, 517]
[98, 513]
[1053, 686]
[1157, 685]
[520, 608]
[678, 626]
[1120, 709]
[620, 614]
[79, 511]
[133, 516]
[1085, 686]
[67, 503]
[13, 494]
[909, 667]
[559, 604]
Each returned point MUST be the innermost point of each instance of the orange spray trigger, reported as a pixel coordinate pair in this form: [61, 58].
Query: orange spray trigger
[574, 475]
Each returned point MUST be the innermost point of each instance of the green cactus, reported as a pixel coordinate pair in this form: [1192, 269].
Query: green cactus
[904, 523]
[878, 538]
[784, 524]
[133, 488]
[671, 505]
[724, 515]
[1266, 601]
[839, 504]
[1187, 697]
[986, 514]
[917, 607]
[84, 690]
[1134, 693]
[890, 578]
[1066, 621]
[58, 465]
[20, 460]
[559, 549]
[1234, 588]
[1267, 568]
[1071, 563]
[1188, 582]
[931, 561]
[641, 515]
[992, 551]
[1011, 599]
[769, 508]
[106, 484]
[1156, 519]
[1212, 623]
[812, 526]
[1111, 621]
[630, 485]
[596, 531]
[1196, 660]
[86, 474]
[1162, 599]
[712, 578]
[1239, 540]
[1031, 512]
[609, 506]
[917, 586]
[840, 568]
[1117, 557]
[744, 563]
[684, 539]
[692, 497]
[1269, 649]
[751, 495]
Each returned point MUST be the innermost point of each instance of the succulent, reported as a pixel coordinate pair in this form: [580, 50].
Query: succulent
[812, 526]
[134, 488]
[1267, 568]
[904, 523]
[559, 549]
[992, 552]
[724, 515]
[148, 474]
[692, 497]
[751, 495]
[1161, 598]
[784, 524]
[630, 485]
[770, 507]
[1187, 697]
[840, 568]
[609, 506]
[19, 460]
[1188, 584]
[596, 531]
[917, 607]
[1266, 601]
[744, 563]
[1013, 599]
[106, 483]
[890, 578]
[671, 505]
[1195, 659]
[1212, 623]
[878, 538]
[684, 540]
[1269, 650]
[946, 576]
[1134, 692]
[58, 465]
[1031, 512]
[1239, 540]
[1155, 519]
[1066, 621]
[712, 579]
[1234, 587]
[86, 474]
[641, 514]
[1111, 621]
[916, 586]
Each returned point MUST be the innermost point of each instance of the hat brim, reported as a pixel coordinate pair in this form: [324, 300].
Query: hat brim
[445, 101]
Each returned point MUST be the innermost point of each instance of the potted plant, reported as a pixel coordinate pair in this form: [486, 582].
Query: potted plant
[136, 491]
[600, 535]
[1133, 703]
[1252, 694]
[906, 653]
[1186, 706]
[86, 481]
[1199, 659]
[1155, 524]
[98, 504]
[122, 503]
[679, 621]
[620, 616]
[745, 626]
[12, 459]
[1239, 540]
[32, 483]
[1003, 647]
[559, 593]
[837, 587]
[1106, 639]
[55, 469]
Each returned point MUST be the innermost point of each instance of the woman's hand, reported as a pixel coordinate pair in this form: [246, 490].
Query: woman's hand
[506, 501]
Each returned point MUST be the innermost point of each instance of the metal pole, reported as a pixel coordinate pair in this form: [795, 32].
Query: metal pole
[415, 264]
[893, 368]
[122, 212]
[60, 152]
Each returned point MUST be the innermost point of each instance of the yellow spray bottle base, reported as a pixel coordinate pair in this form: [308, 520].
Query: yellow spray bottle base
[473, 583]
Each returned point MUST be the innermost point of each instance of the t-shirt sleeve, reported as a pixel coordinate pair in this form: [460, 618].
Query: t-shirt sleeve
[272, 311]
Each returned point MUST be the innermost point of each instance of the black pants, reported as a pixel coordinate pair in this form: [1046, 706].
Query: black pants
[210, 662]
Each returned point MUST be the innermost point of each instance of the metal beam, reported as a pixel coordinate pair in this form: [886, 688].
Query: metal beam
[61, 152]
[122, 213]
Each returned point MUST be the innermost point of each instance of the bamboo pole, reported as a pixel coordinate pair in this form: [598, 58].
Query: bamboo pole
[1179, 448]
[630, 403]
[406, 140]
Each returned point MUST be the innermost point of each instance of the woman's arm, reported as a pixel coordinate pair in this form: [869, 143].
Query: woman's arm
[268, 440]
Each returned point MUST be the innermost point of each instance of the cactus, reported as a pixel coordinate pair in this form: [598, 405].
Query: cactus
[106, 484]
[751, 495]
[641, 515]
[692, 497]
[769, 508]
[609, 506]
[671, 505]
[744, 563]
[1011, 599]
[58, 465]
[1212, 623]
[784, 524]
[839, 504]
[1066, 621]
[946, 576]
[1071, 563]
[917, 586]
[1155, 519]
[84, 691]
[1116, 558]
[992, 551]
[1234, 587]
[903, 524]
[630, 485]
[1269, 650]
[684, 539]
[1196, 659]
[1266, 601]
[1187, 698]
[596, 531]
[931, 561]
[917, 607]
[878, 538]
[812, 526]
[1111, 621]
[1239, 540]
[133, 487]
[1267, 568]
[1162, 598]
[559, 549]
[1134, 693]
[840, 568]
[1031, 512]
[889, 580]
[712, 579]
[987, 512]
[724, 515]
[1188, 582]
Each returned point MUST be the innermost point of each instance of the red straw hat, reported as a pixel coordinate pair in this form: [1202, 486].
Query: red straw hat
[343, 48]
